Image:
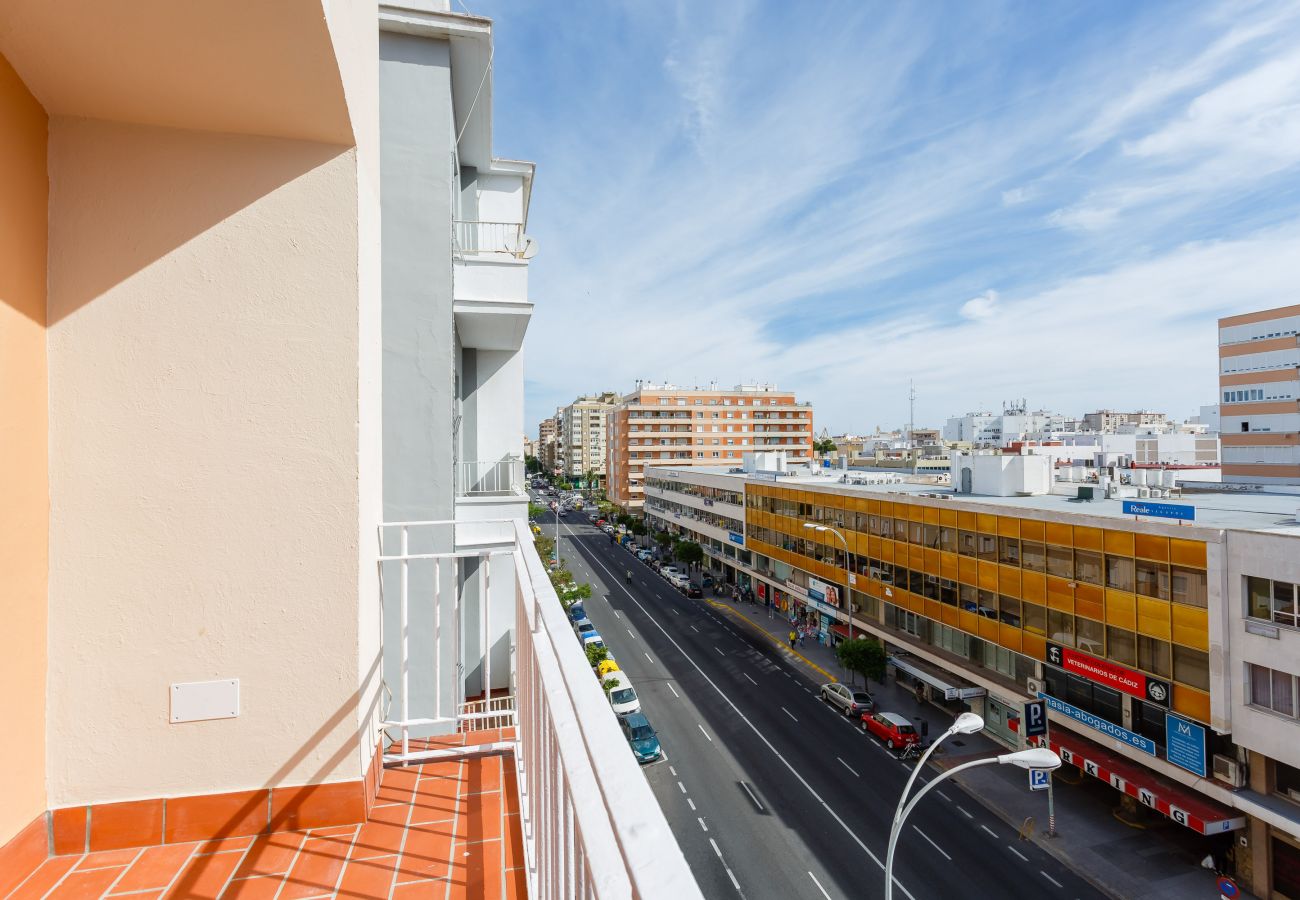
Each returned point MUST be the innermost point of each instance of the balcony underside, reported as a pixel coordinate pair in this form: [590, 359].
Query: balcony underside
[492, 324]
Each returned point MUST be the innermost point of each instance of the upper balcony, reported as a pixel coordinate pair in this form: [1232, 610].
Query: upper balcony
[490, 254]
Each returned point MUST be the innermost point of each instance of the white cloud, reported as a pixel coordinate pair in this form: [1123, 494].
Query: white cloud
[985, 306]
[1015, 196]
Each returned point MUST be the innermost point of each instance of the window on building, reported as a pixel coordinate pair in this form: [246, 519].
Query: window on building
[1273, 601]
[1034, 555]
[1035, 618]
[1188, 586]
[1060, 625]
[1087, 566]
[1121, 645]
[1152, 579]
[1090, 636]
[1009, 551]
[1192, 667]
[1149, 720]
[1009, 611]
[1119, 573]
[1153, 656]
[1271, 689]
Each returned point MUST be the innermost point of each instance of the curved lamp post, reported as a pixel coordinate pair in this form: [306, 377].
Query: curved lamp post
[1033, 758]
[848, 590]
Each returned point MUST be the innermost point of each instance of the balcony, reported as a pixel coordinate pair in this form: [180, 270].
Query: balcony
[477, 478]
[521, 785]
[490, 276]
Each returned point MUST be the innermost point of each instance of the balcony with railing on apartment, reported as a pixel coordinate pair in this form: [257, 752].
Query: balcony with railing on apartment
[504, 773]
[490, 283]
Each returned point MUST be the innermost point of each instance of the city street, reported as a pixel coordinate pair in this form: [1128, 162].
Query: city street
[769, 792]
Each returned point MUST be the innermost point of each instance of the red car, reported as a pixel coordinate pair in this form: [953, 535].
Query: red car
[891, 728]
[600, 522]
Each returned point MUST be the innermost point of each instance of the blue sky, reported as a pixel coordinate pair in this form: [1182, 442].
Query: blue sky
[1051, 201]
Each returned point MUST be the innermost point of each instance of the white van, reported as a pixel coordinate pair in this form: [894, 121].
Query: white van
[621, 694]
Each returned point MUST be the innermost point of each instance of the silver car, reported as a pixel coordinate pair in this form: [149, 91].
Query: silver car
[850, 702]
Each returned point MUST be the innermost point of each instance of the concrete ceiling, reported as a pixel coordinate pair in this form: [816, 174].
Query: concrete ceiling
[263, 67]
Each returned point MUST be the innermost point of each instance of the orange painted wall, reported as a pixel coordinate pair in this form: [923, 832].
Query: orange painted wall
[24, 472]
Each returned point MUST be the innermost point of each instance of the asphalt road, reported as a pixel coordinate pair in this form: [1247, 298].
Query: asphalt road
[770, 793]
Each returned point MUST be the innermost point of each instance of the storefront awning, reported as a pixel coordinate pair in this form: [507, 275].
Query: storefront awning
[952, 688]
[1162, 794]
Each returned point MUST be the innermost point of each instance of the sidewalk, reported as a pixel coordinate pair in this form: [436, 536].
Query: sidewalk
[1160, 862]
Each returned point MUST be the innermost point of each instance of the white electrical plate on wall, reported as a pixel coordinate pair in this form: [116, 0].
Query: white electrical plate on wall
[195, 701]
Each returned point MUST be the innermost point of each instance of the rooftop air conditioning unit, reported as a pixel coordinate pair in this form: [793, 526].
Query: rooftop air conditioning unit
[1228, 770]
[1034, 686]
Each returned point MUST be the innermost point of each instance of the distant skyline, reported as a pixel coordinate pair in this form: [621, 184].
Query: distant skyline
[998, 201]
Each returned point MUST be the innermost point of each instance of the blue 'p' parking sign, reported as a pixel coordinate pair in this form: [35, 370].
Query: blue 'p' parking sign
[1039, 779]
[1035, 718]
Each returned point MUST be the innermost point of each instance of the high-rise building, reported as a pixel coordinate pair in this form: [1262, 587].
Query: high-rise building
[1259, 383]
[263, 289]
[581, 449]
[1107, 420]
[662, 424]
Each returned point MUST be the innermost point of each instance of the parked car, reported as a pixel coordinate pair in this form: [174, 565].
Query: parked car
[592, 639]
[669, 571]
[583, 627]
[644, 554]
[891, 728]
[576, 611]
[851, 702]
[694, 590]
[641, 737]
[622, 696]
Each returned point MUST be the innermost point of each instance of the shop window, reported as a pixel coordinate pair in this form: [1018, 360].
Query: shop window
[1087, 566]
[1152, 579]
[1192, 667]
[1060, 561]
[1121, 645]
[1188, 586]
[1034, 556]
[1060, 625]
[1035, 618]
[1270, 689]
[1149, 720]
[1090, 636]
[1119, 573]
[1009, 611]
[1153, 656]
[1009, 551]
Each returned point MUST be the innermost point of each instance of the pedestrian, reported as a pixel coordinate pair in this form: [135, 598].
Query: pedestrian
[792, 638]
[801, 635]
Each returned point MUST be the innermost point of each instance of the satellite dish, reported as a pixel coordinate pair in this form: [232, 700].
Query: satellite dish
[530, 248]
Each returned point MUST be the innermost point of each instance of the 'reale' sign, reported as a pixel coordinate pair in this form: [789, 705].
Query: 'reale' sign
[1109, 674]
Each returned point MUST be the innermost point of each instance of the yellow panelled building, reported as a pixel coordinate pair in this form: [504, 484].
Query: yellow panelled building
[1136, 598]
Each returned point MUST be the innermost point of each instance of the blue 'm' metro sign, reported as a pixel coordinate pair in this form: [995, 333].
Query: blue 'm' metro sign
[1183, 511]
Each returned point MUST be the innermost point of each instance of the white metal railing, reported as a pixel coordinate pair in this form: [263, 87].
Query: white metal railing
[495, 477]
[591, 825]
[428, 552]
[489, 237]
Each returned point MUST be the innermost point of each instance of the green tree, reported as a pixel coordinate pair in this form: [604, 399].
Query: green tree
[688, 552]
[564, 485]
[535, 510]
[866, 656]
[826, 445]
[596, 655]
[638, 528]
[532, 465]
[624, 519]
[664, 539]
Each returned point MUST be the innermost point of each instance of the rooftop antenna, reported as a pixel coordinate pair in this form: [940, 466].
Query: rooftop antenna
[911, 420]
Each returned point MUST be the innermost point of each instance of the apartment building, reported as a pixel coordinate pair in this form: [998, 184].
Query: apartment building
[548, 431]
[581, 446]
[1107, 420]
[1259, 380]
[253, 379]
[662, 424]
[1167, 649]
[1014, 423]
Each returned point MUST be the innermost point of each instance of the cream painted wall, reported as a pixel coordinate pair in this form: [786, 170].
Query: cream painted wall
[203, 359]
[24, 475]
[355, 34]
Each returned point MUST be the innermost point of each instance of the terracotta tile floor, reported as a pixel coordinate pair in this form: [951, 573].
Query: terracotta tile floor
[444, 830]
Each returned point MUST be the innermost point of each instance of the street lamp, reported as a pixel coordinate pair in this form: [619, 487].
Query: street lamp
[1033, 758]
[848, 591]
